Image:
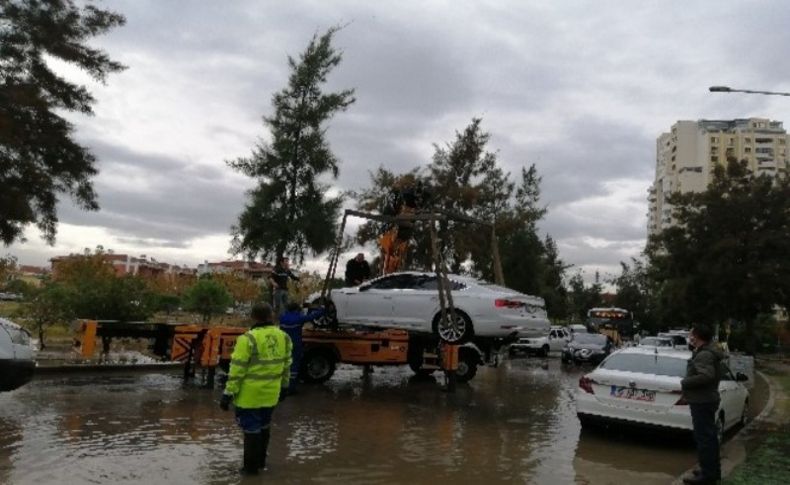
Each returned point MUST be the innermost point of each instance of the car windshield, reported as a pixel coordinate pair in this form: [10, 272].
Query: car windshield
[647, 364]
[589, 338]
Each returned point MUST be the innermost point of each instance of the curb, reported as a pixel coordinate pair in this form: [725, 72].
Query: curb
[97, 368]
[727, 450]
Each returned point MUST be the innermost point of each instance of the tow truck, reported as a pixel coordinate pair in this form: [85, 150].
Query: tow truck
[328, 342]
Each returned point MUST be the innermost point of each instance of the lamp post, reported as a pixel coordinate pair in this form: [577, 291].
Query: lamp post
[727, 89]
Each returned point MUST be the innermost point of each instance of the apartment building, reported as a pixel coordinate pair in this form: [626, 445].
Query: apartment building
[248, 269]
[124, 264]
[687, 155]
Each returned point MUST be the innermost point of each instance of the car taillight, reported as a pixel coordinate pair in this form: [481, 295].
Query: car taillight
[502, 303]
[682, 401]
[586, 384]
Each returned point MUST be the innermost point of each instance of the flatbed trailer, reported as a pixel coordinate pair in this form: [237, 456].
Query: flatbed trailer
[205, 348]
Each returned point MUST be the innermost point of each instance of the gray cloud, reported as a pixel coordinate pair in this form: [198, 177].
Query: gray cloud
[580, 89]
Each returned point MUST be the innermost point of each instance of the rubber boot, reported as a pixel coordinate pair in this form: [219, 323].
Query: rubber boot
[252, 445]
[264, 447]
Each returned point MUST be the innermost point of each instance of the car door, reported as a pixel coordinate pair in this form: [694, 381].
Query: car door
[731, 402]
[371, 304]
[414, 302]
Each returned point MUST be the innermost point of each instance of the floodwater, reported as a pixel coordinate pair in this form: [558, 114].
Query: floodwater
[511, 424]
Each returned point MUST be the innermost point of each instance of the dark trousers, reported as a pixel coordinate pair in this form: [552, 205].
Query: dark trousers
[703, 418]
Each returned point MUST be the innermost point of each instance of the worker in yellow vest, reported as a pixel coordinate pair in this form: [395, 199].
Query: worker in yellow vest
[259, 375]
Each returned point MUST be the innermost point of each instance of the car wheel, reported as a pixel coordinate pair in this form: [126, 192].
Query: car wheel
[317, 366]
[745, 413]
[457, 331]
[329, 318]
[544, 351]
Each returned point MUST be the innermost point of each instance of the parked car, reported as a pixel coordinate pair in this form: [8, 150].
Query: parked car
[641, 386]
[556, 340]
[680, 340]
[578, 328]
[587, 347]
[661, 342]
[409, 300]
[17, 361]
[4, 296]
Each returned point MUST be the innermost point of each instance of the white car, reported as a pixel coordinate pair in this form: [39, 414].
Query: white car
[661, 342]
[555, 341]
[17, 359]
[410, 300]
[641, 386]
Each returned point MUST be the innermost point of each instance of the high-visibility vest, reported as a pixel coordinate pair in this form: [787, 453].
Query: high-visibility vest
[259, 367]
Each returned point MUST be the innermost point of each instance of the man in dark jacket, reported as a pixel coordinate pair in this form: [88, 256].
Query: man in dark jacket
[279, 280]
[291, 322]
[701, 391]
[357, 270]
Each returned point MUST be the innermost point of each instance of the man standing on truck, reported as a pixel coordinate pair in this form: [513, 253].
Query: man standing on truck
[701, 391]
[259, 374]
[279, 280]
[291, 322]
[357, 270]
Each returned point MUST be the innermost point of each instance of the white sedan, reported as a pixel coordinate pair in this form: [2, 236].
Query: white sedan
[410, 301]
[641, 386]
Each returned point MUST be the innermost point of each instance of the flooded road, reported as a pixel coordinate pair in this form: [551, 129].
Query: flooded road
[512, 424]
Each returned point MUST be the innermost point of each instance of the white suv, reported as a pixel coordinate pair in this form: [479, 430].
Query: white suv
[553, 342]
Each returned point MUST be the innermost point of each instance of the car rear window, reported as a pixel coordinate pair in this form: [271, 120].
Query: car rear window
[589, 338]
[647, 364]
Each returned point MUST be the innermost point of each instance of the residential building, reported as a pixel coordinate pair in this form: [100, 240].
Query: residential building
[124, 264]
[688, 153]
[249, 269]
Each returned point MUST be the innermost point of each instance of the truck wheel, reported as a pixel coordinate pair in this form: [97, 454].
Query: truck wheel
[467, 366]
[317, 366]
[458, 331]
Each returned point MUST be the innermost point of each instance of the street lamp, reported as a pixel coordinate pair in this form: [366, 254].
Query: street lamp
[727, 89]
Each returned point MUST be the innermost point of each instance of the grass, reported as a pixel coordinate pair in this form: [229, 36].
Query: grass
[769, 463]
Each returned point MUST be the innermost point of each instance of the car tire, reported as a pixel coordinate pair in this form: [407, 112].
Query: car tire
[329, 319]
[317, 366]
[745, 413]
[459, 332]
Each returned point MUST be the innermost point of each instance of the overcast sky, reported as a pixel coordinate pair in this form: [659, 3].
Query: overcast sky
[579, 88]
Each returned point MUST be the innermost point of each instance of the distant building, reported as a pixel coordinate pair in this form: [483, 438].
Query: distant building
[124, 264]
[248, 269]
[687, 155]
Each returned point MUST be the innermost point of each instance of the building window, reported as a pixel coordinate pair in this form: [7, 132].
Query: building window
[714, 149]
[714, 159]
[747, 150]
[747, 140]
[714, 139]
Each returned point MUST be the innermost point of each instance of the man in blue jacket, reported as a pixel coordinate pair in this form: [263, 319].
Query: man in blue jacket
[291, 322]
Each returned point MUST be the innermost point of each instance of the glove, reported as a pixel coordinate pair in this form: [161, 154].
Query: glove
[224, 402]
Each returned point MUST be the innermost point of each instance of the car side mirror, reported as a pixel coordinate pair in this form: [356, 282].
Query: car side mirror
[741, 377]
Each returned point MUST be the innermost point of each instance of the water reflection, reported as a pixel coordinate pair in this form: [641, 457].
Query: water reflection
[513, 424]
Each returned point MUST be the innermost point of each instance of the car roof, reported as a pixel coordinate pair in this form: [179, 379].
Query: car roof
[679, 354]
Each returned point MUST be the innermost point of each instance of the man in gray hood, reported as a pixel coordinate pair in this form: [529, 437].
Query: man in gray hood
[701, 391]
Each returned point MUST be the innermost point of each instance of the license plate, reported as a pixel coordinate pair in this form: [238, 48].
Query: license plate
[633, 394]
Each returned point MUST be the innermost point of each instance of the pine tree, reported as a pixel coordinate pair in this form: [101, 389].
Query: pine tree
[288, 212]
[39, 159]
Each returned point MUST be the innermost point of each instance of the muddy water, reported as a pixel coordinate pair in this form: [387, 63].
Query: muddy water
[512, 424]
